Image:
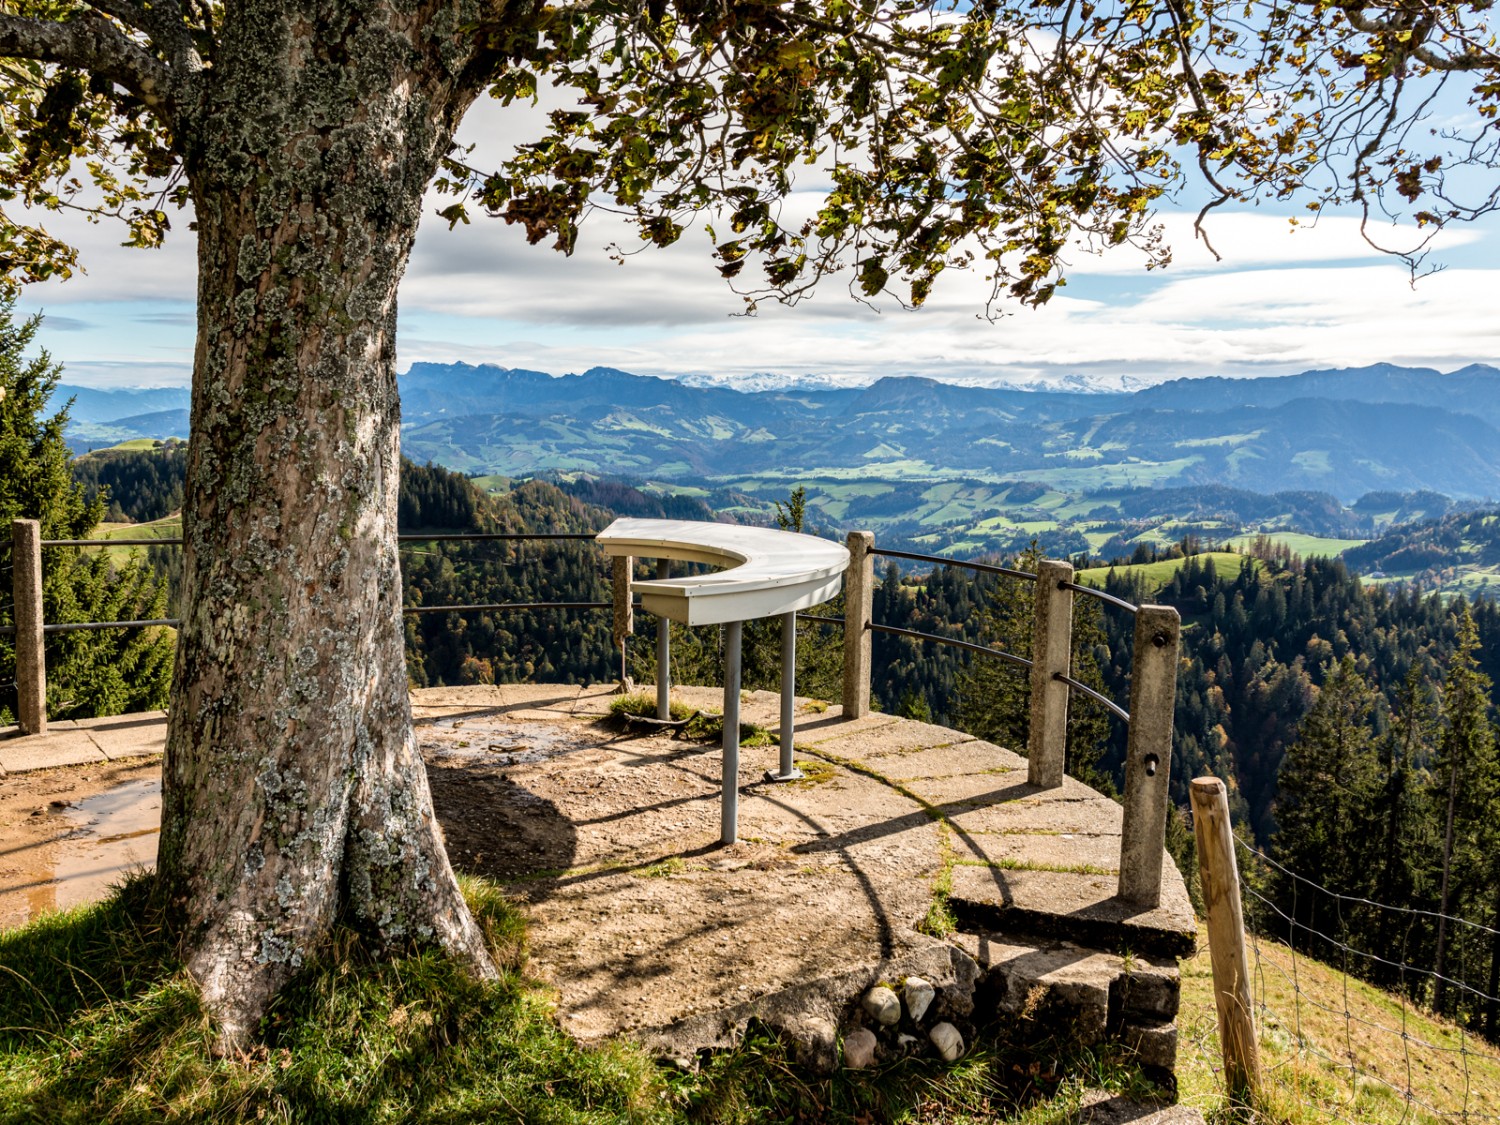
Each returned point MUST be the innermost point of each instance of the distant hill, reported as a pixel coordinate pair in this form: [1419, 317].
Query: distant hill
[1470, 390]
[1265, 436]
[1459, 552]
[982, 466]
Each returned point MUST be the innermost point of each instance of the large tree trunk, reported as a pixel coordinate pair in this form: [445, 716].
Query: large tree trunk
[293, 790]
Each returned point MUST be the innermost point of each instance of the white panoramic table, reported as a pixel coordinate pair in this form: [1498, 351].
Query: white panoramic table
[766, 574]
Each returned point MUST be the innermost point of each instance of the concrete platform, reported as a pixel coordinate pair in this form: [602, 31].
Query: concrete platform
[645, 923]
[70, 743]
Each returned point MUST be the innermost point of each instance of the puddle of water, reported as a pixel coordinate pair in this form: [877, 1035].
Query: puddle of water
[510, 744]
[114, 833]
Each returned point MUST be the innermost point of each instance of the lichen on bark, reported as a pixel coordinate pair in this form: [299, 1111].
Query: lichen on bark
[294, 793]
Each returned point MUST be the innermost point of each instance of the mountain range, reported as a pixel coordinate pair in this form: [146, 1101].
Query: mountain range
[1344, 432]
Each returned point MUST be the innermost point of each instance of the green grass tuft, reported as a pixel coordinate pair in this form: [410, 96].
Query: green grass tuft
[99, 1022]
[706, 726]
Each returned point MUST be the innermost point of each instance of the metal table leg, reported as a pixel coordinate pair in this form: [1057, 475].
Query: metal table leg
[787, 771]
[730, 800]
[663, 652]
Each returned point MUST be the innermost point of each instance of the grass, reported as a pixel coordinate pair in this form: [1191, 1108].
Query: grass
[1306, 1043]
[1158, 574]
[705, 726]
[168, 527]
[99, 1023]
[1307, 546]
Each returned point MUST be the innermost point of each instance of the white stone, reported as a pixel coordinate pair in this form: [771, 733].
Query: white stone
[918, 995]
[859, 1049]
[883, 1005]
[949, 1043]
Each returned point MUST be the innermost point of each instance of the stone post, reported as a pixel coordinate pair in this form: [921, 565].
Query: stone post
[663, 652]
[624, 565]
[31, 661]
[859, 603]
[1148, 754]
[1051, 653]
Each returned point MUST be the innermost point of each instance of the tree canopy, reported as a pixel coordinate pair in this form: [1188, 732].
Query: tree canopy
[997, 134]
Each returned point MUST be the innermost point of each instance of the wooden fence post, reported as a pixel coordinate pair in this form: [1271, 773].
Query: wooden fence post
[1051, 652]
[1148, 754]
[1219, 875]
[623, 568]
[31, 660]
[859, 604]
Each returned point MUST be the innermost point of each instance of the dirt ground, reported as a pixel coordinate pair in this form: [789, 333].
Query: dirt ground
[45, 862]
[641, 919]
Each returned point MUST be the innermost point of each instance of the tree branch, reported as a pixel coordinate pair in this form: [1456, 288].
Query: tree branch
[91, 43]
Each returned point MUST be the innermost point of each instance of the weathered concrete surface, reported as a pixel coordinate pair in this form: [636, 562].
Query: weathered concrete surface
[85, 741]
[645, 923]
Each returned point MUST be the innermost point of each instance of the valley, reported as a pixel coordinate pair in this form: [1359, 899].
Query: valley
[1325, 461]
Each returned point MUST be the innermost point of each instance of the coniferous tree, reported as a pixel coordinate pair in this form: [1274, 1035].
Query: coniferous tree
[89, 673]
[1326, 789]
[1466, 770]
[1402, 816]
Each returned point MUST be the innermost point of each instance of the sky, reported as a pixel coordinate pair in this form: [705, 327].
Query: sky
[1283, 299]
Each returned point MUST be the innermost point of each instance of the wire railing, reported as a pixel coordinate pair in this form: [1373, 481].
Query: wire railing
[972, 647]
[1014, 660]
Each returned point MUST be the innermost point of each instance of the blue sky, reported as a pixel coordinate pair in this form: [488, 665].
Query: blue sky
[1282, 300]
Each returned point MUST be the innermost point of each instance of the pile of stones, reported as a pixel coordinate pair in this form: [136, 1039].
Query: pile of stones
[893, 1026]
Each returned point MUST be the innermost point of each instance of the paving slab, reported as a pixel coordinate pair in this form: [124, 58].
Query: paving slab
[974, 757]
[520, 701]
[1009, 789]
[137, 735]
[1060, 851]
[60, 746]
[1078, 817]
[874, 741]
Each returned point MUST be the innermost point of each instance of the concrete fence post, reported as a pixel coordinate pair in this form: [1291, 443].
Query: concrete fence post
[1148, 755]
[663, 652]
[623, 567]
[859, 603]
[1051, 653]
[1219, 876]
[31, 660]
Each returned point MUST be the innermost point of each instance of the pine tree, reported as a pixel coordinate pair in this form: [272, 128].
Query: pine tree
[89, 673]
[1326, 790]
[1403, 814]
[1466, 770]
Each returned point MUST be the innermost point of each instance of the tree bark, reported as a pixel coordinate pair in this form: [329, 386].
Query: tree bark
[293, 790]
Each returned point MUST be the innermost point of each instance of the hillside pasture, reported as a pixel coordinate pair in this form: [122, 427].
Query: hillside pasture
[1155, 575]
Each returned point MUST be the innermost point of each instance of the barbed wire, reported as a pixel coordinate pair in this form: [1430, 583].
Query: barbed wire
[1308, 1010]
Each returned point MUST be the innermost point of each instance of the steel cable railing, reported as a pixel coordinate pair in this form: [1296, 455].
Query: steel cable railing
[975, 648]
[1010, 658]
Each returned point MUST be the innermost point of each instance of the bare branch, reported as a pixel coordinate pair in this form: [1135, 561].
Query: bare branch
[90, 42]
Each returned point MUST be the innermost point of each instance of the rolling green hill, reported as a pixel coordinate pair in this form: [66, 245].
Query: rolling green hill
[1155, 575]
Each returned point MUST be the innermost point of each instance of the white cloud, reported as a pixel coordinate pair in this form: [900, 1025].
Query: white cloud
[1281, 300]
